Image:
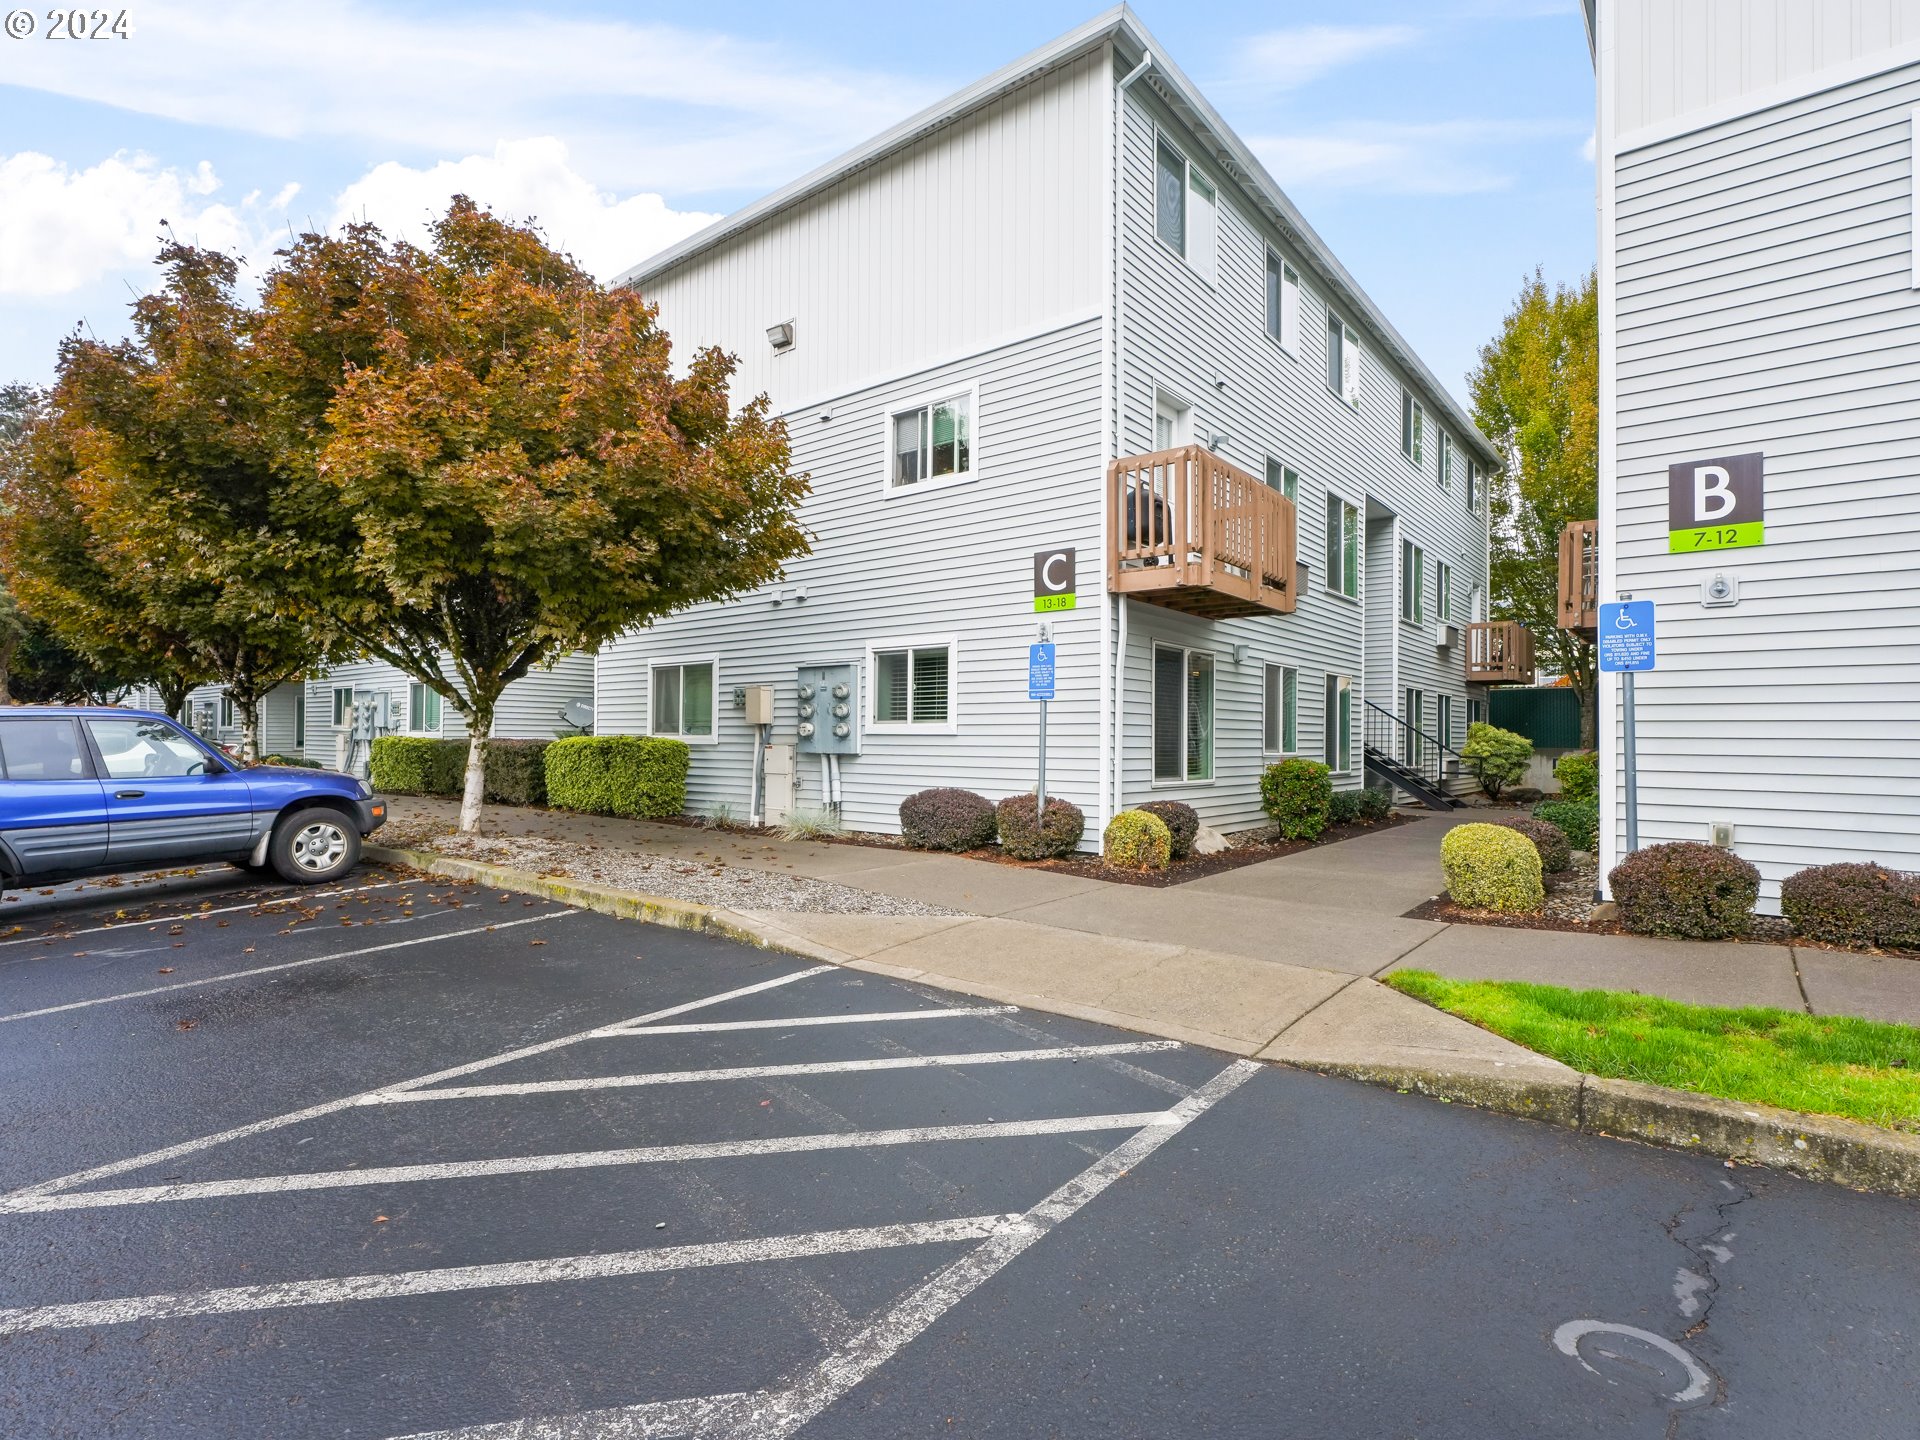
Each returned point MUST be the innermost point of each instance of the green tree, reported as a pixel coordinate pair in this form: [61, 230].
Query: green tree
[19, 408]
[506, 469]
[1536, 396]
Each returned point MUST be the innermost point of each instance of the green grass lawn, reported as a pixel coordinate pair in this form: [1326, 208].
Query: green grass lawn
[1827, 1064]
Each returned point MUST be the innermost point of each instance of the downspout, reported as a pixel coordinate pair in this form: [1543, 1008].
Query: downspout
[1117, 420]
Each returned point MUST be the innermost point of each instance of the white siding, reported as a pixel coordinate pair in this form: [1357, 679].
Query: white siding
[530, 709]
[1764, 302]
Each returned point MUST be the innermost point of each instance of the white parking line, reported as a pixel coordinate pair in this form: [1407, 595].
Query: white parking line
[262, 905]
[329, 1107]
[768, 1072]
[789, 1022]
[285, 965]
[88, 1313]
[773, 1414]
[19, 1203]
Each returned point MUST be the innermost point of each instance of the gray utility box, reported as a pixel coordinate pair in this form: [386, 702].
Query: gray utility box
[828, 709]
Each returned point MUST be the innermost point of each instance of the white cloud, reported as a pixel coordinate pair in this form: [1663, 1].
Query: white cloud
[62, 229]
[1589, 148]
[1453, 157]
[1288, 59]
[641, 104]
[523, 180]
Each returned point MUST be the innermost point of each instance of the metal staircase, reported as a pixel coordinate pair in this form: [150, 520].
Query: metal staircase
[1407, 759]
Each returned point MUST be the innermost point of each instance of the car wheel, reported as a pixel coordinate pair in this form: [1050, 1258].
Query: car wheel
[314, 846]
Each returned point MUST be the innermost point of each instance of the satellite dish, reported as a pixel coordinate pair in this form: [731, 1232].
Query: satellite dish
[578, 714]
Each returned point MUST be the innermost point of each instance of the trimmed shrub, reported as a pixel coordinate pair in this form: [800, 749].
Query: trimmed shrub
[946, 819]
[1497, 757]
[1298, 794]
[1578, 774]
[1135, 840]
[639, 776]
[1025, 835]
[1556, 854]
[1851, 903]
[1685, 889]
[1181, 820]
[1344, 807]
[1376, 803]
[516, 771]
[1579, 819]
[418, 765]
[1491, 867]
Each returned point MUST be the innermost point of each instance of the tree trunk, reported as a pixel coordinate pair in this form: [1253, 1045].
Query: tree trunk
[480, 725]
[1589, 725]
[7, 648]
[249, 729]
[173, 697]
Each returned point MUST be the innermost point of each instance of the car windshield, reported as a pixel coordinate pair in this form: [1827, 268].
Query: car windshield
[144, 749]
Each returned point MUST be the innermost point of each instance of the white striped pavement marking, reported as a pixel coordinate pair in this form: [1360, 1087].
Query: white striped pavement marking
[64, 935]
[284, 965]
[19, 1203]
[329, 1107]
[768, 1072]
[776, 1413]
[871, 1017]
[287, 1295]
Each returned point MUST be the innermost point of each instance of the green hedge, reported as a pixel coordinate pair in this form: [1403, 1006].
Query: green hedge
[516, 771]
[415, 765]
[637, 776]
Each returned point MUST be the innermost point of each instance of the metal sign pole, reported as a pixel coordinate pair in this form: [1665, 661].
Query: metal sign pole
[1040, 803]
[1631, 767]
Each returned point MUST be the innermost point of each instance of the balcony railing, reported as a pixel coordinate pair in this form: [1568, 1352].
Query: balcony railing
[1579, 575]
[1499, 652]
[1189, 531]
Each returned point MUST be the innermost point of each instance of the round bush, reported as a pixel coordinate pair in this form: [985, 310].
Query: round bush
[1854, 904]
[1344, 807]
[1181, 820]
[1685, 889]
[1498, 758]
[1579, 820]
[1135, 840]
[1578, 774]
[1556, 855]
[1297, 794]
[1491, 867]
[946, 819]
[1027, 836]
[1376, 803]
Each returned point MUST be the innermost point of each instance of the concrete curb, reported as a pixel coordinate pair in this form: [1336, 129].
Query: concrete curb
[1817, 1147]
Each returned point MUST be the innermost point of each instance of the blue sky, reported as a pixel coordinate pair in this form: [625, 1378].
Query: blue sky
[1442, 148]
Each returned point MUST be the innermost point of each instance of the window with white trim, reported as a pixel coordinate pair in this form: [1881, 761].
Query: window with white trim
[1343, 548]
[300, 720]
[1413, 427]
[1445, 722]
[1473, 487]
[1182, 714]
[1412, 741]
[1443, 591]
[913, 687]
[423, 709]
[1343, 360]
[1283, 303]
[227, 718]
[1413, 582]
[1280, 710]
[680, 699]
[1283, 478]
[1185, 208]
[1337, 725]
[931, 443]
[342, 706]
[1446, 461]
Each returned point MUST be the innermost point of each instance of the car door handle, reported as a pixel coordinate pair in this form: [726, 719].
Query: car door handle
[129, 794]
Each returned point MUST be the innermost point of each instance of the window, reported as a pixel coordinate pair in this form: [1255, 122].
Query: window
[1413, 711]
[1343, 548]
[226, 712]
[913, 686]
[682, 700]
[1473, 713]
[300, 719]
[342, 706]
[1343, 360]
[1447, 737]
[1473, 486]
[1413, 427]
[1446, 461]
[1182, 714]
[1283, 303]
[1185, 214]
[145, 749]
[1338, 726]
[1283, 478]
[1443, 586]
[1172, 422]
[932, 442]
[423, 709]
[1413, 582]
[1281, 710]
[41, 750]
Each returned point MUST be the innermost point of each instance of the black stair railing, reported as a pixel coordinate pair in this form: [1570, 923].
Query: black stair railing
[1407, 754]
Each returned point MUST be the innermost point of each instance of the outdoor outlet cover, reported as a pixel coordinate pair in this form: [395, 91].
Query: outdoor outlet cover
[1721, 833]
[1720, 590]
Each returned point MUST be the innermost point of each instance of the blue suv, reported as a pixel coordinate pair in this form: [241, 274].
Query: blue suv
[96, 790]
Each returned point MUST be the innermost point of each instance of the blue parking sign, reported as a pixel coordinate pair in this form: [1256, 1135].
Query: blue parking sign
[1625, 635]
[1040, 671]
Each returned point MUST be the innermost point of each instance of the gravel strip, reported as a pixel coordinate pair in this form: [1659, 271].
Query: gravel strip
[705, 883]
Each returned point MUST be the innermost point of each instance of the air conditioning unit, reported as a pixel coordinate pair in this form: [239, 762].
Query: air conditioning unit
[1444, 634]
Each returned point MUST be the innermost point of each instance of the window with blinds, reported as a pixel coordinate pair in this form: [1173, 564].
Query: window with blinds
[1182, 714]
[913, 686]
[1281, 708]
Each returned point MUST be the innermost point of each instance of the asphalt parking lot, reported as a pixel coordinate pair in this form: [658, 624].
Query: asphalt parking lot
[411, 1158]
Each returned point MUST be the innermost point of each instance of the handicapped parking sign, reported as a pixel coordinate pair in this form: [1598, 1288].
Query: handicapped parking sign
[1040, 671]
[1625, 635]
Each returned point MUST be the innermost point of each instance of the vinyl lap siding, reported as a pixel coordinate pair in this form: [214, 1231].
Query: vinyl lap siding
[1765, 303]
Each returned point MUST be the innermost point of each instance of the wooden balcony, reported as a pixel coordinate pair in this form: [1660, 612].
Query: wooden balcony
[1579, 575]
[1499, 652]
[1189, 531]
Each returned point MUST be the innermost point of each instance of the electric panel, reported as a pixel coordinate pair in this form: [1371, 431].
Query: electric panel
[828, 709]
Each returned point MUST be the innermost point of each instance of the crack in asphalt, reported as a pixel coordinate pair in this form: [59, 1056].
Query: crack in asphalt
[1697, 1286]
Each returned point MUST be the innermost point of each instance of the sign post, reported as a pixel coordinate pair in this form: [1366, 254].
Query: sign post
[1040, 687]
[1625, 640]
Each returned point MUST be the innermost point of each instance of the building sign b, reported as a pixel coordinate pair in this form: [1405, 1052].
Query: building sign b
[1717, 504]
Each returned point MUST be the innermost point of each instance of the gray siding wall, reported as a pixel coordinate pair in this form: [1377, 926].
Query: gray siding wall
[528, 710]
[1765, 302]
[278, 722]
